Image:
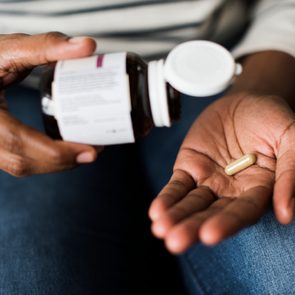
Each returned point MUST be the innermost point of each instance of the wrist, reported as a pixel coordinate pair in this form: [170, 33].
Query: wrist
[267, 73]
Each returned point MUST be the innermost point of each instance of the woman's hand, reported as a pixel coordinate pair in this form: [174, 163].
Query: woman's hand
[201, 202]
[23, 150]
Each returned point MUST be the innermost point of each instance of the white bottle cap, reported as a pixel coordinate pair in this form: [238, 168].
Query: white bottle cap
[158, 94]
[200, 68]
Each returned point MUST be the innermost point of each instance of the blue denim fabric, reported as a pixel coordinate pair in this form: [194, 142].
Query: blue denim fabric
[76, 232]
[259, 260]
[65, 233]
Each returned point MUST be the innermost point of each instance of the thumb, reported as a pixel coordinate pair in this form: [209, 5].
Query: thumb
[19, 52]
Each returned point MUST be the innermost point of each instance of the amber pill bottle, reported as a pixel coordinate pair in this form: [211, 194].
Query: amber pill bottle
[114, 98]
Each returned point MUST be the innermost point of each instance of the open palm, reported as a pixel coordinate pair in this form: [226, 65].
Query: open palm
[201, 202]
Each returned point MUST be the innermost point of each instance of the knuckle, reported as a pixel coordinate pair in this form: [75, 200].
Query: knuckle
[12, 142]
[49, 40]
[177, 184]
[50, 37]
[8, 65]
[57, 156]
[17, 166]
[7, 58]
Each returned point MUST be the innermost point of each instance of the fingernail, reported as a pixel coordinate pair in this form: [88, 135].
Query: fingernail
[85, 157]
[75, 40]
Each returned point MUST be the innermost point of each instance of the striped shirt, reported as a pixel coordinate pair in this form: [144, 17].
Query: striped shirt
[148, 27]
[153, 27]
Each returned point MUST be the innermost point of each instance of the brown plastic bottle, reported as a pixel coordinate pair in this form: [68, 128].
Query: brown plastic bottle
[141, 110]
[114, 98]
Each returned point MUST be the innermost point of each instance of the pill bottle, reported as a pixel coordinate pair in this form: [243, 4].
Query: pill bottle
[114, 98]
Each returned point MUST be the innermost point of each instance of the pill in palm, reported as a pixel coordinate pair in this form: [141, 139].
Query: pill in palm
[240, 164]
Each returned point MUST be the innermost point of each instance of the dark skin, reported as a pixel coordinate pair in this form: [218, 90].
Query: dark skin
[201, 202]
[23, 150]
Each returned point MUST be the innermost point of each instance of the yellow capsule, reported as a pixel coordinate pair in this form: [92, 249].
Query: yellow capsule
[240, 164]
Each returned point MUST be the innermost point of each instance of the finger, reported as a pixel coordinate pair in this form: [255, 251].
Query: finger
[20, 52]
[36, 145]
[20, 165]
[15, 165]
[178, 187]
[244, 211]
[54, 155]
[186, 233]
[47, 155]
[196, 201]
[58, 157]
[284, 189]
[62, 156]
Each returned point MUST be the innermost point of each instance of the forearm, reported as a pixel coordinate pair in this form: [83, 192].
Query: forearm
[268, 73]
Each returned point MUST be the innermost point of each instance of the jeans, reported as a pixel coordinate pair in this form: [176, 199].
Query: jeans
[67, 233]
[259, 260]
[79, 232]
[85, 231]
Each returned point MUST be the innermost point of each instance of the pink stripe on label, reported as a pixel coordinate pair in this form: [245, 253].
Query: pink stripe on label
[99, 62]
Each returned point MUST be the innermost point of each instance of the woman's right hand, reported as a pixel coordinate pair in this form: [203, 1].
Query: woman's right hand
[24, 150]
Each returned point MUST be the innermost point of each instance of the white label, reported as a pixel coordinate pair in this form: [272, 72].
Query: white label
[92, 100]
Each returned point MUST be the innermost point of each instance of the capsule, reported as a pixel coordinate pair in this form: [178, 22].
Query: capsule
[240, 164]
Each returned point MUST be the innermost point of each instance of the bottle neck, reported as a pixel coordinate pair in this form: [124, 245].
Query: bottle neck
[158, 94]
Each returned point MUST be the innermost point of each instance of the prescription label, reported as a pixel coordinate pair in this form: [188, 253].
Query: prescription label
[92, 100]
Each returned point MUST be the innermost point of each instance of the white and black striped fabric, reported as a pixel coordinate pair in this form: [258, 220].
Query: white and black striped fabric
[148, 27]
[151, 28]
